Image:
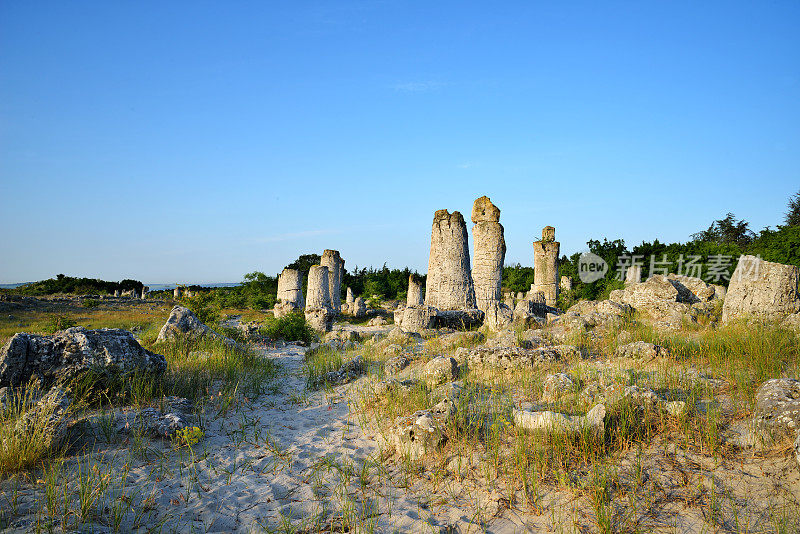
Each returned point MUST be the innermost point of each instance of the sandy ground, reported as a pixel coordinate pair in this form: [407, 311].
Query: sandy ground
[298, 457]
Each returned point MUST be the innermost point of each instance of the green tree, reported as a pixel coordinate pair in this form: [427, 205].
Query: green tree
[792, 217]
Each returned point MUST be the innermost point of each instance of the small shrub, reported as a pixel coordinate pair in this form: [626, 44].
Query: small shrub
[186, 437]
[291, 327]
[91, 303]
[58, 322]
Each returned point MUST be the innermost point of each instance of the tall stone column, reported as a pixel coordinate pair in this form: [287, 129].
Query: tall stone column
[176, 293]
[318, 299]
[633, 275]
[545, 265]
[490, 252]
[414, 296]
[335, 264]
[350, 297]
[449, 283]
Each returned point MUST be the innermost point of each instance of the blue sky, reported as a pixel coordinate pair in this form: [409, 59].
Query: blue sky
[197, 141]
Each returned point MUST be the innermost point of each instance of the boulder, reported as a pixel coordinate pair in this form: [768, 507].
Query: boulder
[320, 319]
[418, 318]
[498, 316]
[70, 352]
[459, 319]
[183, 322]
[559, 423]
[640, 350]
[377, 321]
[395, 364]
[556, 385]
[762, 290]
[777, 410]
[441, 369]
[508, 358]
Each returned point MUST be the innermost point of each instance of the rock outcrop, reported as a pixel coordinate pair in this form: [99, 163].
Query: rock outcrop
[67, 353]
[761, 290]
[449, 282]
[490, 253]
[777, 411]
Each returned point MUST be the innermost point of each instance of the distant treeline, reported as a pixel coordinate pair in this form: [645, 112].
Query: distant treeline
[78, 286]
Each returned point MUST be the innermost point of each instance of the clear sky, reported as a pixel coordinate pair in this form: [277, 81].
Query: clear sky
[197, 141]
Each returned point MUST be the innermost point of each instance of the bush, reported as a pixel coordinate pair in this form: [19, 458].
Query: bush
[91, 303]
[58, 322]
[291, 327]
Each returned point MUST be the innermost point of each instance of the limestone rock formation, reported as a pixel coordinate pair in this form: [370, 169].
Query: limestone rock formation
[762, 290]
[641, 350]
[183, 322]
[490, 252]
[441, 369]
[176, 293]
[418, 318]
[566, 283]
[545, 265]
[777, 410]
[559, 423]
[318, 310]
[72, 351]
[335, 264]
[414, 297]
[449, 283]
[498, 316]
[290, 293]
[359, 308]
[633, 275]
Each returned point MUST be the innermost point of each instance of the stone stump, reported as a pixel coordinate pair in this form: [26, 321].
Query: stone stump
[633, 275]
[414, 296]
[176, 293]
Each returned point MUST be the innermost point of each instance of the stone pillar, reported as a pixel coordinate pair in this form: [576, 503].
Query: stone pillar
[145, 291]
[350, 297]
[359, 307]
[290, 293]
[118, 293]
[335, 264]
[318, 299]
[449, 283]
[566, 283]
[414, 297]
[633, 275]
[176, 293]
[545, 265]
[490, 252]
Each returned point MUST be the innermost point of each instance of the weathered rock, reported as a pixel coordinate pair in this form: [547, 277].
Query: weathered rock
[318, 312]
[69, 352]
[377, 321]
[349, 371]
[633, 275]
[777, 410]
[554, 422]
[761, 290]
[545, 265]
[449, 284]
[441, 369]
[414, 296]
[459, 319]
[418, 318]
[395, 364]
[641, 350]
[359, 308]
[692, 289]
[350, 298]
[320, 319]
[290, 293]
[335, 264]
[46, 421]
[418, 434]
[176, 293]
[566, 283]
[158, 423]
[490, 253]
[556, 385]
[498, 316]
[509, 358]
